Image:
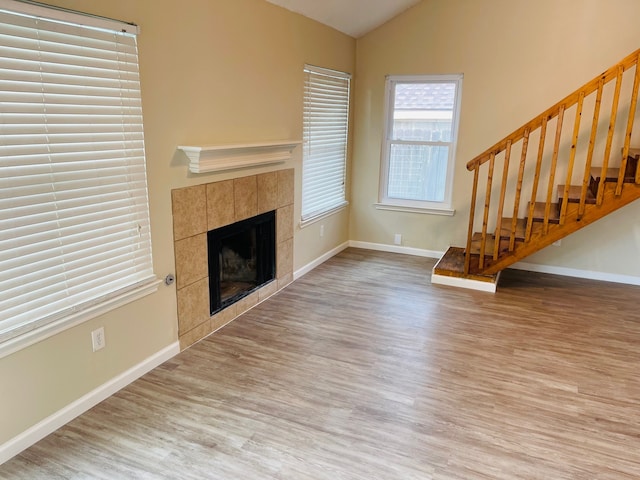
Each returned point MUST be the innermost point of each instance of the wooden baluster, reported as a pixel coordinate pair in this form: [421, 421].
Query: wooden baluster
[572, 159]
[627, 137]
[472, 214]
[536, 178]
[612, 126]
[487, 202]
[503, 190]
[516, 202]
[586, 180]
[552, 172]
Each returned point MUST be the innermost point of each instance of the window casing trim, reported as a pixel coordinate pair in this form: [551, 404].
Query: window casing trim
[385, 201]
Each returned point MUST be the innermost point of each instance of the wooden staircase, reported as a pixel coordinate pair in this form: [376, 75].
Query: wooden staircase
[568, 182]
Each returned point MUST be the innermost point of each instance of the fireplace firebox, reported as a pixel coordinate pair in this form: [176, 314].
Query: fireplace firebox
[241, 259]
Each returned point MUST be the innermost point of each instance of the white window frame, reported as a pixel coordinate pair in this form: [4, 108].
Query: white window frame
[70, 155]
[410, 205]
[324, 174]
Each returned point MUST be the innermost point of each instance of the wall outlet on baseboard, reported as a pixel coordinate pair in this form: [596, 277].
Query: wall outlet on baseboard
[321, 230]
[397, 239]
[97, 339]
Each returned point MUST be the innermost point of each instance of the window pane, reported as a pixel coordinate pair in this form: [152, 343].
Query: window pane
[423, 111]
[418, 172]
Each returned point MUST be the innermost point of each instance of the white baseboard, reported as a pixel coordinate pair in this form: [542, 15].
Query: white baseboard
[381, 247]
[63, 416]
[532, 267]
[467, 283]
[320, 260]
[574, 272]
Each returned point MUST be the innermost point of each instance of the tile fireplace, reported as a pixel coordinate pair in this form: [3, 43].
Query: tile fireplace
[201, 209]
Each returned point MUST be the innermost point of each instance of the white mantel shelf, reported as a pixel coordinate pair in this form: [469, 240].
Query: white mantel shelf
[215, 158]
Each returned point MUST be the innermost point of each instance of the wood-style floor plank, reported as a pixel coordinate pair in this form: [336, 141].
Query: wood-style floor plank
[363, 370]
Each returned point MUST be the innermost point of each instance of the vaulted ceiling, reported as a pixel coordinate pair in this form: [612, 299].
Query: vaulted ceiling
[353, 17]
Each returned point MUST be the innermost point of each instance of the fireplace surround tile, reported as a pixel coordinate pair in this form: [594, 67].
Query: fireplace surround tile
[190, 266]
[245, 193]
[206, 207]
[193, 305]
[285, 280]
[220, 207]
[187, 205]
[223, 317]
[284, 220]
[285, 187]
[248, 302]
[268, 290]
[285, 258]
[192, 336]
[267, 192]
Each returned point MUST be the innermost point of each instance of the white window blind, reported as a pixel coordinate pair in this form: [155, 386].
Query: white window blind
[326, 123]
[74, 220]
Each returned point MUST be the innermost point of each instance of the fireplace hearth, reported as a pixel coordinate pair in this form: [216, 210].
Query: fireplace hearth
[241, 259]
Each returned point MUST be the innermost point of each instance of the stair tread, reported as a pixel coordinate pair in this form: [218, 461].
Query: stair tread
[575, 192]
[538, 212]
[611, 175]
[452, 265]
[521, 228]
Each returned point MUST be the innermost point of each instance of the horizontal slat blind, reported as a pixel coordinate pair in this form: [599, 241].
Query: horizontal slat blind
[74, 219]
[326, 121]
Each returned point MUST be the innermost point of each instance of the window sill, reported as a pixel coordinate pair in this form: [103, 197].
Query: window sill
[36, 335]
[317, 218]
[425, 211]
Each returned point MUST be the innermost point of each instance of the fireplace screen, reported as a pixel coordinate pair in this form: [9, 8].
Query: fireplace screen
[241, 259]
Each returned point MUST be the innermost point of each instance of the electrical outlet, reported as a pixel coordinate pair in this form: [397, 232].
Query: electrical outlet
[97, 339]
[397, 239]
[322, 230]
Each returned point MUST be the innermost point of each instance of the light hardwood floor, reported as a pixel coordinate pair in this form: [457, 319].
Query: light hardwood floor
[363, 370]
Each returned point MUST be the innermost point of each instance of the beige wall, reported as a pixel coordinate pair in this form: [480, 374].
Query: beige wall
[518, 58]
[213, 72]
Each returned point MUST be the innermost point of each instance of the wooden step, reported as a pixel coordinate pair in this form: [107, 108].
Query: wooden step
[575, 191]
[611, 175]
[521, 228]
[452, 265]
[538, 212]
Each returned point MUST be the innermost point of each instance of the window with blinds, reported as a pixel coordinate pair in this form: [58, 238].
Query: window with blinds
[326, 128]
[74, 219]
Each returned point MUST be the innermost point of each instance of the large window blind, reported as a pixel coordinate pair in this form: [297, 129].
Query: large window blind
[326, 122]
[74, 221]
